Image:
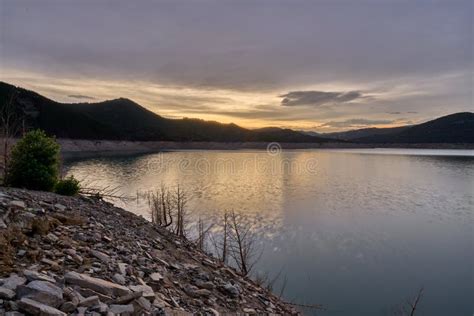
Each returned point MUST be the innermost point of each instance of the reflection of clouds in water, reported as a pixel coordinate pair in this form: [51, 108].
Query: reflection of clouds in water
[380, 218]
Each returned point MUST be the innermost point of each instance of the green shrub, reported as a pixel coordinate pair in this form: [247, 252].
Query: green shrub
[34, 162]
[69, 186]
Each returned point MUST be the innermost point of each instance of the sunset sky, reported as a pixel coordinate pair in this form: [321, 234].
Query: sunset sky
[313, 65]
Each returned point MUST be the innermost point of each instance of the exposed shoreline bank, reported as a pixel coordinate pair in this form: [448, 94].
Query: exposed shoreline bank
[61, 255]
[73, 147]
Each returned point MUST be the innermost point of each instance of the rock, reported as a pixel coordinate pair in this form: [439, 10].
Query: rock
[15, 313]
[13, 282]
[90, 301]
[121, 309]
[119, 278]
[6, 293]
[128, 298]
[156, 277]
[122, 268]
[52, 237]
[101, 256]
[17, 205]
[68, 307]
[99, 285]
[145, 289]
[2, 224]
[143, 304]
[231, 289]
[36, 276]
[21, 253]
[42, 291]
[37, 308]
[54, 265]
[249, 311]
[60, 207]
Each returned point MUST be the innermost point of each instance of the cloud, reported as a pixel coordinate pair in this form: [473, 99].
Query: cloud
[318, 98]
[80, 96]
[358, 122]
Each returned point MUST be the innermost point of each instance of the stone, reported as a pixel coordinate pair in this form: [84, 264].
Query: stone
[54, 265]
[2, 224]
[122, 268]
[6, 293]
[101, 256]
[14, 313]
[68, 307]
[143, 303]
[249, 310]
[21, 253]
[119, 278]
[37, 308]
[13, 282]
[90, 301]
[17, 205]
[232, 290]
[36, 276]
[42, 291]
[98, 285]
[121, 309]
[128, 298]
[145, 289]
[156, 277]
[60, 207]
[52, 237]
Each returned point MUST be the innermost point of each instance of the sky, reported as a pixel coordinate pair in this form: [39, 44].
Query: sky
[311, 65]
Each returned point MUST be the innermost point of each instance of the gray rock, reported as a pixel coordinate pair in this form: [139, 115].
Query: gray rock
[36, 276]
[143, 304]
[232, 290]
[17, 205]
[156, 277]
[37, 308]
[98, 285]
[145, 289]
[68, 307]
[119, 278]
[2, 224]
[60, 207]
[122, 268]
[90, 301]
[42, 291]
[13, 282]
[101, 256]
[6, 293]
[15, 313]
[121, 309]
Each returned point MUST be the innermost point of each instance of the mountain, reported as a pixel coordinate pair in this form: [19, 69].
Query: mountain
[361, 133]
[123, 119]
[454, 128]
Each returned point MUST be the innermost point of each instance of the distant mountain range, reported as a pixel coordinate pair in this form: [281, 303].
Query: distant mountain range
[454, 128]
[123, 119]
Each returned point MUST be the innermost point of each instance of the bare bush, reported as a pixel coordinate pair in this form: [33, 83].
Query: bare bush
[10, 127]
[243, 244]
[161, 207]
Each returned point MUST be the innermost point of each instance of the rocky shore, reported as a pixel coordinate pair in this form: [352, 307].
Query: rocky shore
[80, 256]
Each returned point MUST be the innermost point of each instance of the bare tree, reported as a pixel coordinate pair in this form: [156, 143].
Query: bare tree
[411, 306]
[10, 127]
[220, 242]
[243, 247]
[180, 201]
[202, 234]
[161, 207]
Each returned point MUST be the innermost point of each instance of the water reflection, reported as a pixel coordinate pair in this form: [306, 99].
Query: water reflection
[356, 231]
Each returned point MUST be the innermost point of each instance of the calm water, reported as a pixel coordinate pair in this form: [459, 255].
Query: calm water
[359, 231]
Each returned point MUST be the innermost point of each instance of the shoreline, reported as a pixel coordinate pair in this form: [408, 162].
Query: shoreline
[74, 147]
[60, 255]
